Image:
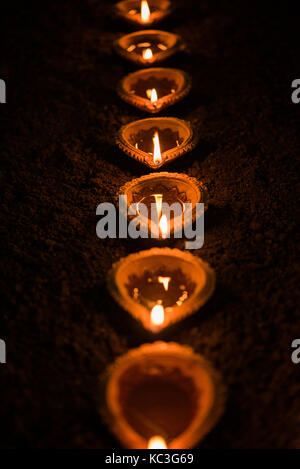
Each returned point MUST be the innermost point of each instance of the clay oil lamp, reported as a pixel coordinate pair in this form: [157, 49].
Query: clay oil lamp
[143, 12]
[161, 286]
[148, 47]
[163, 396]
[154, 89]
[155, 189]
[157, 140]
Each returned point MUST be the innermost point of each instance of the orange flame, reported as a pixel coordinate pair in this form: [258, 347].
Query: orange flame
[145, 11]
[157, 315]
[147, 54]
[163, 225]
[157, 442]
[156, 152]
[152, 95]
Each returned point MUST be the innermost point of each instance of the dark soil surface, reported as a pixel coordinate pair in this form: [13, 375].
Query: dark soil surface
[59, 161]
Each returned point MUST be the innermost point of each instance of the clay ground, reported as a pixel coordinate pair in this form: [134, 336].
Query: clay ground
[59, 161]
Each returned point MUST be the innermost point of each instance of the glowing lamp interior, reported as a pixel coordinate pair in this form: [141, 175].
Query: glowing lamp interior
[161, 284]
[163, 396]
[157, 442]
[157, 315]
[145, 11]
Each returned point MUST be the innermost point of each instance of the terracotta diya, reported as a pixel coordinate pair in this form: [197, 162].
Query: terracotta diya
[163, 395]
[143, 12]
[154, 89]
[157, 140]
[148, 46]
[155, 189]
[161, 286]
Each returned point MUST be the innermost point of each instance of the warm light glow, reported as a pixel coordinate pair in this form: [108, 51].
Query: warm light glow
[147, 54]
[162, 46]
[156, 152]
[157, 315]
[153, 96]
[145, 11]
[131, 47]
[157, 442]
[163, 226]
[165, 281]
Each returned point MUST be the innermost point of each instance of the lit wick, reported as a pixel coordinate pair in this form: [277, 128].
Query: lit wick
[152, 95]
[157, 315]
[147, 54]
[156, 151]
[145, 11]
[157, 442]
[163, 226]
